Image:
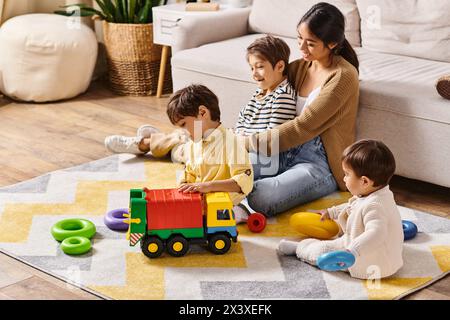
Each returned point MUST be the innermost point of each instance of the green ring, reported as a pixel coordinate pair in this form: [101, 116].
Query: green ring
[73, 227]
[76, 245]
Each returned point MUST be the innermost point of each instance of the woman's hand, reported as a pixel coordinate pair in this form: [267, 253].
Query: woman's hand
[201, 187]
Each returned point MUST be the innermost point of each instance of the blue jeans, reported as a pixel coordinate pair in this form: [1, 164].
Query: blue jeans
[301, 175]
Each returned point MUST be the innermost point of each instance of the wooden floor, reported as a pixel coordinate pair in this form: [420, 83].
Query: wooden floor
[38, 138]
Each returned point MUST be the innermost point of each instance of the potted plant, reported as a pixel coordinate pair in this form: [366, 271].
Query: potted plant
[132, 57]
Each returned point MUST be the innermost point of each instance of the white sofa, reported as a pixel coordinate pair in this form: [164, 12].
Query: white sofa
[403, 47]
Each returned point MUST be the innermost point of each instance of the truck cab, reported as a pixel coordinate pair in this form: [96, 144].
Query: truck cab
[220, 219]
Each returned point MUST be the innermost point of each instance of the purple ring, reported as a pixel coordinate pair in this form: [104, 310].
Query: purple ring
[114, 219]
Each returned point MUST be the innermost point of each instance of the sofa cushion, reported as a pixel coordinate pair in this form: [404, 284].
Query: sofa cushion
[402, 85]
[226, 59]
[287, 14]
[418, 28]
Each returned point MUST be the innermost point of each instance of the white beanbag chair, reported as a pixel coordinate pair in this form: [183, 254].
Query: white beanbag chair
[46, 57]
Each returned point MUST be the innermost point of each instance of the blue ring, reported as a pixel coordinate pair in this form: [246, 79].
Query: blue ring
[331, 261]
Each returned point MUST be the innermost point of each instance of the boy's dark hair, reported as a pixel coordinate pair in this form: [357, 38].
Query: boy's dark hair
[271, 49]
[371, 158]
[186, 102]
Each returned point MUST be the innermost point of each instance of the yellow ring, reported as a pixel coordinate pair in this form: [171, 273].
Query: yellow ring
[220, 244]
[177, 246]
[152, 247]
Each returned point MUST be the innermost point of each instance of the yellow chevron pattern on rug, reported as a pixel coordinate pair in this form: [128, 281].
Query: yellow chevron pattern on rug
[251, 270]
[145, 277]
[388, 289]
[442, 256]
[90, 200]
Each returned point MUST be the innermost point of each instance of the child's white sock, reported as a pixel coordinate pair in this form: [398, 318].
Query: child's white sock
[240, 214]
[287, 247]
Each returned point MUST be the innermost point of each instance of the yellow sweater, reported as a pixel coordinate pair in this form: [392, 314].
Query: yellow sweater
[332, 115]
[219, 156]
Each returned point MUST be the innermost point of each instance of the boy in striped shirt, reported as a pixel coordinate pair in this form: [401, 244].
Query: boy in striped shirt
[274, 101]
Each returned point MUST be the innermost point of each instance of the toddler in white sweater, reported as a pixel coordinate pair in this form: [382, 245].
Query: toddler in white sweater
[370, 223]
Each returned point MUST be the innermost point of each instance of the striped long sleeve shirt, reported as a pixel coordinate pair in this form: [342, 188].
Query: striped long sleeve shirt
[266, 112]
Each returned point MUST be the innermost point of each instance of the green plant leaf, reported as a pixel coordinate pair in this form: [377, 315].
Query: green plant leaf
[81, 5]
[118, 13]
[64, 13]
[92, 11]
[143, 15]
[83, 12]
[106, 12]
[125, 11]
[122, 10]
[111, 9]
[131, 11]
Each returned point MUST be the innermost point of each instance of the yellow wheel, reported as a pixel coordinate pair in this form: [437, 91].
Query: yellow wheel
[177, 246]
[219, 243]
[152, 247]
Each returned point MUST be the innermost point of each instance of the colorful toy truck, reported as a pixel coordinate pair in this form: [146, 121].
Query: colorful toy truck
[166, 219]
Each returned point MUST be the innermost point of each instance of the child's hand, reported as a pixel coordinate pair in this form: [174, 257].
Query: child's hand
[325, 215]
[201, 187]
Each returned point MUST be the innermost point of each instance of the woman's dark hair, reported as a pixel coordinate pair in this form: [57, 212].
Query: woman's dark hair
[327, 23]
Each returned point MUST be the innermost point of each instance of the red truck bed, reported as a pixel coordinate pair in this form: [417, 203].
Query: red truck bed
[170, 209]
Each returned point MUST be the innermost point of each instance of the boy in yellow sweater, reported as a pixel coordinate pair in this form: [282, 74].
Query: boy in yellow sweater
[215, 160]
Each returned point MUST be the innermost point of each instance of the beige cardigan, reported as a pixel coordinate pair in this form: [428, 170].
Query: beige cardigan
[332, 115]
[373, 232]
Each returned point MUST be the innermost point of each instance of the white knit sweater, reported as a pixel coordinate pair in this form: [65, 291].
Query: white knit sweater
[373, 232]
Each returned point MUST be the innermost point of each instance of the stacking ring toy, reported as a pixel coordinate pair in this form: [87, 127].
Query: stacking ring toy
[73, 227]
[256, 222]
[76, 245]
[309, 224]
[335, 261]
[409, 229]
[114, 219]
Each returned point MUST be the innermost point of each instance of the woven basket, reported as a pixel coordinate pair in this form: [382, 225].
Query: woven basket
[133, 59]
[443, 86]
